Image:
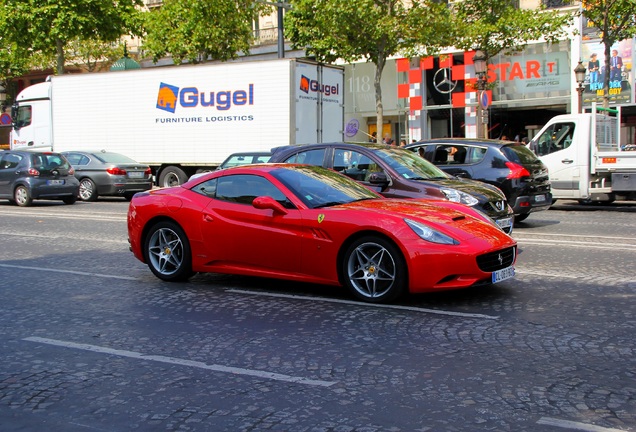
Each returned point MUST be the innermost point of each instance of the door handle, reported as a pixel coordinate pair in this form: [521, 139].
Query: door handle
[208, 218]
[567, 161]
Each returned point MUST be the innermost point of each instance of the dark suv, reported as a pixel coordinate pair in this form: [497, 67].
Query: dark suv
[398, 173]
[510, 166]
[26, 175]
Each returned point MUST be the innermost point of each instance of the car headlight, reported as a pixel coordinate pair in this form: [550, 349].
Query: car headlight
[429, 234]
[460, 197]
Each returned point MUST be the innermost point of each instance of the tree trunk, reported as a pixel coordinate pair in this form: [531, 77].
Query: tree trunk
[379, 110]
[59, 48]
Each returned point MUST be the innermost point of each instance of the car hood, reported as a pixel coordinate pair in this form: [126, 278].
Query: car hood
[448, 217]
[476, 188]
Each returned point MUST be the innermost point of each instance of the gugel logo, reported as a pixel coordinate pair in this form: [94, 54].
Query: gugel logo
[169, 97]
[307, 85]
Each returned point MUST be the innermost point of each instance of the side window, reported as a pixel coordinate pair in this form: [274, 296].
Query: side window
[23, 117]
[354, 164]
[557, 137]
[475, 154]
[310, 157]
[243, 189]
[207, 188]
[76, 159]
[10, 161]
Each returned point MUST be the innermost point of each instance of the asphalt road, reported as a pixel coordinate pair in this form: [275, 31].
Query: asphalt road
[92, 341]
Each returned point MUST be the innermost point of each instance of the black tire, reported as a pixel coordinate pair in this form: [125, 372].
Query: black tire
[69, 200]
[172, 176]
[521, 217]
[167, 252]
[22, 196]
[87, 190]
[129, 196]
[374, 270]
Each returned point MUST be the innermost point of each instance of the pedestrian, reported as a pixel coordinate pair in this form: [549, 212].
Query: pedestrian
[403, 143]
[374, 137]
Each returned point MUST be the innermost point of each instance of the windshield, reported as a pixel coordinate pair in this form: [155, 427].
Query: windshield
[114, 158]
[520, 153]
[319, 187]
[410, 165]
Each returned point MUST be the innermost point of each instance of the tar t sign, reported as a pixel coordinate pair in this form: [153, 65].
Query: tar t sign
[521, 70]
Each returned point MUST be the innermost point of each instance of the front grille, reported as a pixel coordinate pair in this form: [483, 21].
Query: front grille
[495, 207]
[496, 260]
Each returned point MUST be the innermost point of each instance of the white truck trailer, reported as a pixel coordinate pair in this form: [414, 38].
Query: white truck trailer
[183, 119]
[585, 159]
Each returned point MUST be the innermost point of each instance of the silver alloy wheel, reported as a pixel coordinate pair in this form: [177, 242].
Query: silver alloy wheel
[372, 270]
[166, 251]
[86, 189]
[22, 197]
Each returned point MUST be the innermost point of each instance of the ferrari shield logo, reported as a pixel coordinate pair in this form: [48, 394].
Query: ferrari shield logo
[321, 217]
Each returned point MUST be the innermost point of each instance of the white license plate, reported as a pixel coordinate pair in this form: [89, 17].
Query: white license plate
[135, 174]
[54, 182]
[504, 223]
[503, 274]
[539, 198]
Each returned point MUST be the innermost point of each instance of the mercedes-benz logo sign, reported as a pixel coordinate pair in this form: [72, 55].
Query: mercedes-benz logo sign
[442, 81]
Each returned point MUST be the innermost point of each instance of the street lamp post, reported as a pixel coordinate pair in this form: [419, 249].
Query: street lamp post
[579, 73]
[481, 65]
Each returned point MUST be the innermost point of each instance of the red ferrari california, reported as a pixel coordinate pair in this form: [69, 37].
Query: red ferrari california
[310, 224]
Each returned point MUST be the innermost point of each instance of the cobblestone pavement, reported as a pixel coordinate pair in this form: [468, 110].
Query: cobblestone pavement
[91, 341]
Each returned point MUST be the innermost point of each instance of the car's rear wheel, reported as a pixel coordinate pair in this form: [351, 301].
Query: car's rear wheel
[167, 252]
[22, 196]
[87, 190]
[521, 217]
[374, 270]
[69, 200]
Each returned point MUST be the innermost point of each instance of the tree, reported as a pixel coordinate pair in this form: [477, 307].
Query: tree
[47, 26]
[197, 30]
[93, 55]
[494, 26]
[616, 20]
[372, 30]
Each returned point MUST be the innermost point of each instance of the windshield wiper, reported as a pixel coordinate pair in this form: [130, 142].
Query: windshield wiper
[329, 204]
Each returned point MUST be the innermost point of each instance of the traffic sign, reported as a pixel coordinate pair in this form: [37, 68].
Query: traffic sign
[484, 99]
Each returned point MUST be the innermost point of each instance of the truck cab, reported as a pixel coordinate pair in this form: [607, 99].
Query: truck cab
[31, 116]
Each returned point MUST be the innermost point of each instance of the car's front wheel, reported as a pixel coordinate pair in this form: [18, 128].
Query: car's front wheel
[22, 196]
[87, 190]
[167, 252]
[374, 270]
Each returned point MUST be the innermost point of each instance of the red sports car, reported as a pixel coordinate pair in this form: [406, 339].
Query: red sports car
[311, 224]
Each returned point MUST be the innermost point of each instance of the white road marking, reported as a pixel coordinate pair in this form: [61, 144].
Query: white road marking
[81, 273]
[182, 362]
[357, 303]
[566, 424]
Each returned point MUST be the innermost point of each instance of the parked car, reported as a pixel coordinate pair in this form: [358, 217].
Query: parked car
[311, 224]
[108, 174]
[26, 175]
[398, 173]
[510, 166]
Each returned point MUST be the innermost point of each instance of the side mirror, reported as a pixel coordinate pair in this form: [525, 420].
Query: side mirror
[378, 178]
[268, 203]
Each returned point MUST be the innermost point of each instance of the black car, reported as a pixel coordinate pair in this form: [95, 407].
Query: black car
[510, 166]
[29, 175]
[398, 173]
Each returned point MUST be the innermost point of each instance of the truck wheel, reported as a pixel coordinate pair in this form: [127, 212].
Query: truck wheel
[172, 176]
[374, 270]
[167, 252]
[87, 190]
[22, 196]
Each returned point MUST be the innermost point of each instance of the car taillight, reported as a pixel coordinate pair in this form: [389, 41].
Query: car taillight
[116, 171]
[34, 172]
[516, 171]
[148, 172]
[71, 171]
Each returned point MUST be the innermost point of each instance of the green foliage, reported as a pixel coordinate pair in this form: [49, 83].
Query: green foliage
[363, 29]
[93, 54]
[197, 30]
[496, 26]
[46, 26]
